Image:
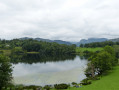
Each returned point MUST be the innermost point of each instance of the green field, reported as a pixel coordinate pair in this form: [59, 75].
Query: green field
[6, 52]
[81, 50]
[32, 52]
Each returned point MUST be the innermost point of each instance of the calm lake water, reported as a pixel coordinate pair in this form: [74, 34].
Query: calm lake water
[37, 70]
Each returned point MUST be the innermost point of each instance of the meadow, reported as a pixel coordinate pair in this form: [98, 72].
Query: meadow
[81, 50]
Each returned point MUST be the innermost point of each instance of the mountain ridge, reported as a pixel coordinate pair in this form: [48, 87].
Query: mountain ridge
[114, 40]
[91, 40]
[82, 41]
[48, 40]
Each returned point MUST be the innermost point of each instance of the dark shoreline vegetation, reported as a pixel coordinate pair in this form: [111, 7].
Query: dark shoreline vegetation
[102, 59]
[37, 58]
[33, 46]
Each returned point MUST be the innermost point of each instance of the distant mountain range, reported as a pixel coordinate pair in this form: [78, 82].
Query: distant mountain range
[82, 41]
[114, 40]
[48, 40]
[91, 40]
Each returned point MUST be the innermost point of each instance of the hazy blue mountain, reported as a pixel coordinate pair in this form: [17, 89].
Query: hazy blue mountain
[114, 40]
[41, 39]
[48, 40]
[90, 40]
[73, 42]
[25, 38]
[62, 42]
[82, 41]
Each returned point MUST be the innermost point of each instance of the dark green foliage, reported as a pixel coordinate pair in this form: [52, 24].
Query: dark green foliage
[47, 87]
[17, 50]
[1, 52]
[86, 52]
[111, 51]
[35, 58]
[33, 87]
[100, 44]
[74, 84]
[101, 62]
[85, 82]
[30, 45]
[22, 87]
[116, 49]
[5, 71]
[47, 47]
[61, 86]
[81, 45]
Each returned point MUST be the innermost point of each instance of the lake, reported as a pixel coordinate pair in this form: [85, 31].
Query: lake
[39, 70]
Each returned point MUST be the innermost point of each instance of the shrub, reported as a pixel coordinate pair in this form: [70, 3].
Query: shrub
[47, 87]
[86, 52]
[61, 86]
[85, 82]
[96, 78]
[33, 87]
[1, 52]
[74, 84]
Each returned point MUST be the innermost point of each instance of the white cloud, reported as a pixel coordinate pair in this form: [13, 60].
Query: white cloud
[68, 20]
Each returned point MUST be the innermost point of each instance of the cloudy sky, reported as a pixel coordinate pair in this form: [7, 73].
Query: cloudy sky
[69, 20]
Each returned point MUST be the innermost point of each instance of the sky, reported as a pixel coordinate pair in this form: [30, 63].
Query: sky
[68, 20]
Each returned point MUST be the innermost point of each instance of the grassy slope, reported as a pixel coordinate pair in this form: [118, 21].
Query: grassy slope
[109, 82]
[6, 52]
[79, 49]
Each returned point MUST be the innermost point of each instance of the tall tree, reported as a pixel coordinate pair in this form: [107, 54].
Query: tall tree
[101, 62]
[5, 71]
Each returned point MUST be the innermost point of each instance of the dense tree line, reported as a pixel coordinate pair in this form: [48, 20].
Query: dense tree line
[30, 45]
[116, 50]
[99, 44]
[101, 62]
[5, 71]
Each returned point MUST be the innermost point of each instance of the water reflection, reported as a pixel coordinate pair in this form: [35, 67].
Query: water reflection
[52, 70]
[37, 58]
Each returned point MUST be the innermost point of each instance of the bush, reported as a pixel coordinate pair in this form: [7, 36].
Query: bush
[33, 87]
[5, 71]
[1, 52]
[74, 84]
[61, 86]
[96, 78]
[86, 52]
[85, 82]
[47, 87]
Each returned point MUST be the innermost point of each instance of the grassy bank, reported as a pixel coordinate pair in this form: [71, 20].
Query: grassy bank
[81, 50]
[107, 82]
[6, 52]
[32, 52]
